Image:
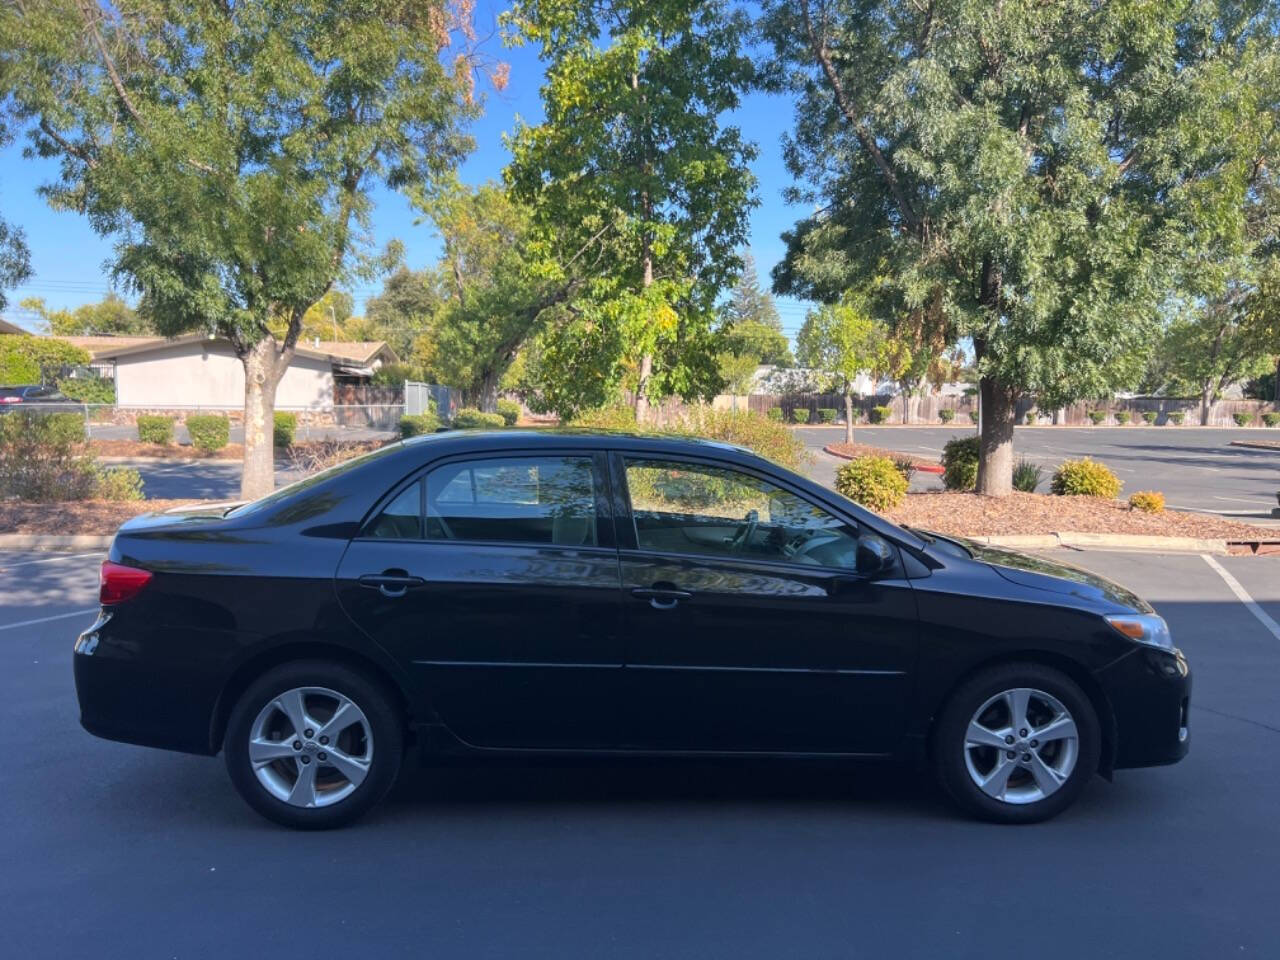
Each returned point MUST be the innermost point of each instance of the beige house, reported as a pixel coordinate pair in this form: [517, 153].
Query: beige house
[202, 372]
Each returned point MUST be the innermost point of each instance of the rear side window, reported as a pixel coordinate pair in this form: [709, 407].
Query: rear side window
[548, 500]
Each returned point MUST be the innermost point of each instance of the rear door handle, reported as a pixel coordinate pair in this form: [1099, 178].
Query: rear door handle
[390, 585]
[661, 599]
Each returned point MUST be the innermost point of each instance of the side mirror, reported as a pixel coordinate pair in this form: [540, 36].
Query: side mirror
[874, 555]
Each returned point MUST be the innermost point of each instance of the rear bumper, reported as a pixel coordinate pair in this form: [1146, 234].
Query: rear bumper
[1150, 696]
[125, 698]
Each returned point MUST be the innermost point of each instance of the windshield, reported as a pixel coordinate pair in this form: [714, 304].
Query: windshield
[284, 493]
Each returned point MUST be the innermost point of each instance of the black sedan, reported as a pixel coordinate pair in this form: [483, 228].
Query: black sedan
[30, 394]
[575, 593]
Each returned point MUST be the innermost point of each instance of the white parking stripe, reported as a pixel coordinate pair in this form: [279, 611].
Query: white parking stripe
[31, 563]
[1243, 596]
[60, 616]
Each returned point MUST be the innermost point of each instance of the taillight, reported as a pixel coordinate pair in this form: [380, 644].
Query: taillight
[118, 583]
[10, 399]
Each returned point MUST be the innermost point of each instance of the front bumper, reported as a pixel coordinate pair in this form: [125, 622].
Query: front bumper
[1150, 695]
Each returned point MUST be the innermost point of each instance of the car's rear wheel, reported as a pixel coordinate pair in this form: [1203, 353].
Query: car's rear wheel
[314, 745]
[1016, 743]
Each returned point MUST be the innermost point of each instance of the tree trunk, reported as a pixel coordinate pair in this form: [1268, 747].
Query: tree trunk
[995, 457]
[1206, 399]
[646, 362]
[487, 395]
[263, 368]
[1275, 397]
[848, 417]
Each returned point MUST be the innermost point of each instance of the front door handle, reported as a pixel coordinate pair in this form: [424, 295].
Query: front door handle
[661, 598]
[390, 583]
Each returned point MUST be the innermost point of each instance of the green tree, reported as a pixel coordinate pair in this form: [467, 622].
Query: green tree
[737, 370]
[400, 314]
[633, 151]
[110, 316]
[1212, 347]
[1027, 174]
[232, 148]
[15, 256]
[843, 341]
[750, 320]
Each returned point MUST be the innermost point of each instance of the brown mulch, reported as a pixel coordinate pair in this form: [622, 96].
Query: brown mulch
[866, 450]
[81, 516]
[967, 514]
[135, 448]
[1257, 444]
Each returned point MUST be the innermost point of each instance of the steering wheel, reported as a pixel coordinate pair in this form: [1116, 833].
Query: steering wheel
[742, 535]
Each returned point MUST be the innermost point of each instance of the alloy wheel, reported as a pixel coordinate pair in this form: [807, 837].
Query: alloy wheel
[1021, 746]
[311, 746]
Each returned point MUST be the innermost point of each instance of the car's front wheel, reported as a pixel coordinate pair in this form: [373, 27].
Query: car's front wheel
[1016, 743]
[313, 745]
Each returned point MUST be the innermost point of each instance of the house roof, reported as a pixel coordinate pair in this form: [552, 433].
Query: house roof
[358, 352]
[7, 327]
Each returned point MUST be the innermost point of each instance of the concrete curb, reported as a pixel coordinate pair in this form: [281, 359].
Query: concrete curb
[1271, 445]
[920, 467]
[49, 541]
[1120, 542]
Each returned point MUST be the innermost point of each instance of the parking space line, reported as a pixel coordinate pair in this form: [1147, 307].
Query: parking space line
[1243, 596]
[31, 563]
[60, 616]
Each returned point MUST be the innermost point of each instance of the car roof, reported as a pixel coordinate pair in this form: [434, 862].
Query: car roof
[585, 438]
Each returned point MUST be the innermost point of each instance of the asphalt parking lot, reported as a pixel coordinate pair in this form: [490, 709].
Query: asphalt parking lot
[1195, 467]
[119, 851]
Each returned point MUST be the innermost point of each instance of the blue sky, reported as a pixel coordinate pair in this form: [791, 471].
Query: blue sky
[68, 257]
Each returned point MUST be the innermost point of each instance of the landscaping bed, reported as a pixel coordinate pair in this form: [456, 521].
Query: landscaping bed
[77, 517]
[184, 451]
[849, 451]
[968, 514]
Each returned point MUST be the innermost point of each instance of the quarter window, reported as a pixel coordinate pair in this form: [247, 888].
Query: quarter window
[709, 511]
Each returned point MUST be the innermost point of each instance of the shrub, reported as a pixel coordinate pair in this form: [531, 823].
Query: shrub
[1148, 501]
[153, 429]
[1123, 417]
[874, 482]
[1098, 416]
[774, 413]
[879, 414]
[800, 415]
[827, 414]
[209, 431]
[1150, 416]
[1242, 418]
[1027, 475]
[89, 389]
[960, 463]
[946, 414]
[1031, 418]
[119, 483]
[973, 416]
[906, 466]
[1271, 419]
[416, 424]
[23, 358]
[42, 457]
[282, 431]
[469, 418]
[509, 411]
[1085, 478]
[1177, 417]
[770, 440]
[393, 375]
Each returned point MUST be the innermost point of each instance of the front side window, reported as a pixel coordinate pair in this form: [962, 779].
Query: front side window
[547, 500]
[710, 511]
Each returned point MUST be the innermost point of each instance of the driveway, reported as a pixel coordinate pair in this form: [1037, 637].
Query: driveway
[1195, 468]
[122, 852]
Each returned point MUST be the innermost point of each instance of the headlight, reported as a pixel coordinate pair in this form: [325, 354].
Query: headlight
[1144, 628]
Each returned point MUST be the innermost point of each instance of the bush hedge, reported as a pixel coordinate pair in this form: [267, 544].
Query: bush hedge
[209, 431]
[879, 414]
[1085, 478]
[88, 389]
[1031, 418]
[1177, 417]
[1271, 419]
[509, 411]
[1098, 416]
[960, 463]
[469, 418]
[1150, 416]
[154, 429]
[827, 414]
[1148, 501]
[416, 424]
[800, 415]
[874, 482]
[23, 358]
[118, 483]
[973, 416]
[1027, 475]
[1123, 417]
[1242, 418]
[283, 429]
[774, 413]
[42, 457]
[946, 414]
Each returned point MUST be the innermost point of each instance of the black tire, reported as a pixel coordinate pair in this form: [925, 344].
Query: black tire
[385, 725]
[950, 733]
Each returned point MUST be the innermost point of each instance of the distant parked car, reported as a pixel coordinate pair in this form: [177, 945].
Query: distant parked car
[12, 396]
[534, 592]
